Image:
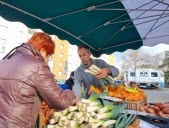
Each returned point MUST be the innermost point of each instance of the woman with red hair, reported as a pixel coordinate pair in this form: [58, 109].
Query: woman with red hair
[26, 81]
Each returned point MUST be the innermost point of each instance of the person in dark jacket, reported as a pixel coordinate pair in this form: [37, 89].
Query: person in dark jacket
[70, 81]
[26, 81]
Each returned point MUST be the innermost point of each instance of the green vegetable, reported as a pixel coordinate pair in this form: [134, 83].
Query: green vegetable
[54, 120]
[111, 81]
[102, 84]
[95, 96]
[70, 115]
[108, 123]
[122, 119]
[65, 112]
[106, 83]
[72, 108]
[93, 108]
[96, 125]
[131, 119]
[73, 123]
[114, 114]
[108, 106]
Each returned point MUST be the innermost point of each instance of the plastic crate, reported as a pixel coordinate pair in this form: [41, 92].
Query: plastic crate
[157, 121]
[134, 105]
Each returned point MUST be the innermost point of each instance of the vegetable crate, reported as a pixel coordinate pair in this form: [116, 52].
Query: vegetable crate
[157, 121]
[134, 105]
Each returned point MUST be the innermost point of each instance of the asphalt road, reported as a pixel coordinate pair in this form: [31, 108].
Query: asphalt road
[157, 95]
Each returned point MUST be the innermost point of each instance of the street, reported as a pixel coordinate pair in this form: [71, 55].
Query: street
[157, 95]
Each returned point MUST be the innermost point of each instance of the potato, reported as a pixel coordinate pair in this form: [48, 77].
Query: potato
[153, 114]
[161, 105]
[165, 110]
[150, 110]
[156, 109]
[161, 114]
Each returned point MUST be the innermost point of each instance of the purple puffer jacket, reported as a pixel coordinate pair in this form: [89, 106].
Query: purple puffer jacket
[25, 82]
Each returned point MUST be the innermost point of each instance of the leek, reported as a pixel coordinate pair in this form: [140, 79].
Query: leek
[93, 103]
[86, 114]
[108, 106]
[96, 125]
[108, 122]
[93, 70]
[63, 117]
[54, 120]
[93, 108]
[95, 96]
[65, 122]
[77, 115]
[81, 120]
[114, 114]
[85, 125]
[72, 108]
[92, 114]
[70, 115]
[72, 123]
[88, 71]
[93, 120]
[65, 112]
[57, 114]
[60, 123]
[50, 126]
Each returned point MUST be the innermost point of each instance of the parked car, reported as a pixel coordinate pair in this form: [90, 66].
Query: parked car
[119, 81]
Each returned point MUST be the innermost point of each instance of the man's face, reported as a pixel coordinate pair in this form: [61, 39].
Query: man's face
[84, 55]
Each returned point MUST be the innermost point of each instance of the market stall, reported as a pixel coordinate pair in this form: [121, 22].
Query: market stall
[113, 106]
[105, 26]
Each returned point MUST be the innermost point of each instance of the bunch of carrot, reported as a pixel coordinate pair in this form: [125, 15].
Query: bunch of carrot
[47, 112]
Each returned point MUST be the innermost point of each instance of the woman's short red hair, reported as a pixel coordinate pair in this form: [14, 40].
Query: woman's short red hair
[41, 40]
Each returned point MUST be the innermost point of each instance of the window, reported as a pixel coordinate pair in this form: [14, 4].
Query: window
[61, 46]
[61, 64]
[60, 73]
[61, 55]
[2, 45]
[154, 74]
[145, 74]
[132, 74]
[141, 74]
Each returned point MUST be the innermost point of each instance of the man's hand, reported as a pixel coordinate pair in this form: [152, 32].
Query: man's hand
[103, 73]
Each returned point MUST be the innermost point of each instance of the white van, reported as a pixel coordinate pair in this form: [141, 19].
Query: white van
[145, 77]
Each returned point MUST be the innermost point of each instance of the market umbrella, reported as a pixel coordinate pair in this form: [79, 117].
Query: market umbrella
[105, 26]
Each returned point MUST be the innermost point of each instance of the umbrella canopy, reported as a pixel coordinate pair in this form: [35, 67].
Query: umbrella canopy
[105, 26]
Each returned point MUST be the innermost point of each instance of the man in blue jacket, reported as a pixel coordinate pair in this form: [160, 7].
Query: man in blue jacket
[87, 79]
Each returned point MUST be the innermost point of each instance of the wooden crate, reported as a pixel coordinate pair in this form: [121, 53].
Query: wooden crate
[134, 105]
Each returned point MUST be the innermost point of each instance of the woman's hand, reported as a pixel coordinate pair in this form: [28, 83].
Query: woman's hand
[77, 99]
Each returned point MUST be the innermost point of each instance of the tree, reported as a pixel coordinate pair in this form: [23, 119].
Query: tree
[165, 66]
[120, 76]
[131, 59]
[134, 59]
